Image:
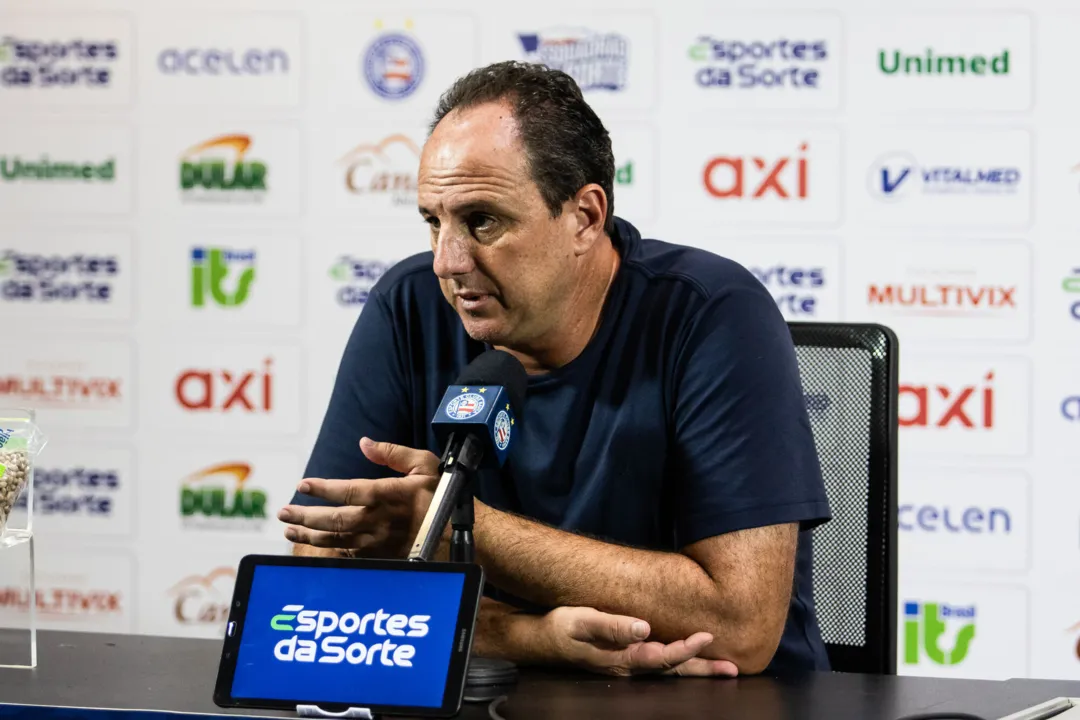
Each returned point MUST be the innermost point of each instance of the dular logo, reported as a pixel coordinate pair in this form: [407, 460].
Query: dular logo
[218, 498]
[219, 171]
[753, 178]
[204, 599]
[385, 169]
[219, 390]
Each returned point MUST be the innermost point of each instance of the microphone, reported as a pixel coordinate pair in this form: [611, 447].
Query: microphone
[475, 424]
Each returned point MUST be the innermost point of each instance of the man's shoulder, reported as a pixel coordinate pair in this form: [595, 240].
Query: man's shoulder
[411, 277]
[707, 274]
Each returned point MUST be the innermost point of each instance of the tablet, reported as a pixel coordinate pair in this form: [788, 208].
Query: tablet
[391, 636]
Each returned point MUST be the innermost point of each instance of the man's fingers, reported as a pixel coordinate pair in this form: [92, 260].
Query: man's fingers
[610, 631]
[653, 656]
[700, 667]
[355, 492]
[322, 538]
[400, 458]
[346, 519]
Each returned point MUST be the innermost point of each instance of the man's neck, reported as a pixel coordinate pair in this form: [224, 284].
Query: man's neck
[582, 313]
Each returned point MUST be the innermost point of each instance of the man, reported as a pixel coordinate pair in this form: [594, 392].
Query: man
[648, 518]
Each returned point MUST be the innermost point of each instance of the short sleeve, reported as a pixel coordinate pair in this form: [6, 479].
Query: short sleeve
[370, 398]
[744, 452]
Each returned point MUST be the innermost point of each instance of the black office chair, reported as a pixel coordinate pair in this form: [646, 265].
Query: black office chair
[850, 381]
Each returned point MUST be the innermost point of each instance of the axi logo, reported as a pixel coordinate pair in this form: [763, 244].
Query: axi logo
[356, 277]
[925, 624]
[29, 277]
[295, 619]
[758, 63]
[217, 497]
[596, 60]
[207, 390]
[942, 406]
[218, 171]
[757, 177]
[942, 299]
[393, 63]
[1071, 285]
[209, 268]
[53, 63]
[384, 169]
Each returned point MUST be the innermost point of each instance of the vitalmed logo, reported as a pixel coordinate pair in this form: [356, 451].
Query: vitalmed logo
[223, 61]
[595, 59]
[937, 633]
[219, 497]
[218, 390]
[384, 171]
[393, 63]
[336, 631]
[961, 406]
[795, 288]
[57, 63]
[221, 276]
[355, 277]
[202, 601]
[899, 175]
[57, 279]
[774, 63]
[219, 170]
[47, 170]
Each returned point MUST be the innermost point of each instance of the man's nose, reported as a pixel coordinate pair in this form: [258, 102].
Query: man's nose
[452, 255]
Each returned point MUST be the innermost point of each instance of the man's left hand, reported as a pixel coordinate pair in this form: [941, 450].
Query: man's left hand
[375, 518]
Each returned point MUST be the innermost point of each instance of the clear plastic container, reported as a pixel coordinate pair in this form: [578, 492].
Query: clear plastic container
[21, 441]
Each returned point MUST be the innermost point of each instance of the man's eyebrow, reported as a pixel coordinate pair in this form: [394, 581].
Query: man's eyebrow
[465, 207]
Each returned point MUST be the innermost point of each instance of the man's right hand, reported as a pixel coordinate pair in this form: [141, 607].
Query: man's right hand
[616, 645]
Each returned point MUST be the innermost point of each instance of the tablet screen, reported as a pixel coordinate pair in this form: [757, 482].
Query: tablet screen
[377, 637]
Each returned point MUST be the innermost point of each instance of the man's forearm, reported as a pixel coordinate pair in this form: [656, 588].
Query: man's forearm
[671, 591]
[506, 633]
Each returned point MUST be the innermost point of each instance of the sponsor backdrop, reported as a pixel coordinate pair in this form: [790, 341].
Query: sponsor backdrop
[198, 197]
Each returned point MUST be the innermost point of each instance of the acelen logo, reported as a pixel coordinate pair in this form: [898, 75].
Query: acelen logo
[295, 619]
[1071, 285]
[386, 169]
[60, 279]
[785, 178]
[217, 497]
[925, 624]
[204, 599]
[195, 61]
[355, 277]
[972, 520]
[596, 60]
[756, 63]
[793, 287]
[218, 170]
[226, 391]
[940, 406]
[53, 62]
[215, 268]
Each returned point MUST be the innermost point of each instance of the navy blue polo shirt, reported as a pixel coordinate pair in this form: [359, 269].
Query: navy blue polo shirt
[683, 418]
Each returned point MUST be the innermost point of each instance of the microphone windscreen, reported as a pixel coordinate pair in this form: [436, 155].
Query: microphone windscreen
[498, 367]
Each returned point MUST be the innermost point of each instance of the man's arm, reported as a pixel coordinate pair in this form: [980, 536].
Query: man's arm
[736, 586]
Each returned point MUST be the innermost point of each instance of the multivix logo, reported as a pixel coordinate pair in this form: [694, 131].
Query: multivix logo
[926, 627]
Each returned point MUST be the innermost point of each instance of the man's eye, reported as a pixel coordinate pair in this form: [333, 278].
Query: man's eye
[479, 221]
[433, 222]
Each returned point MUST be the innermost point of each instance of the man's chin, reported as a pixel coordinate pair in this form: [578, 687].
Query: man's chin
[485, 330]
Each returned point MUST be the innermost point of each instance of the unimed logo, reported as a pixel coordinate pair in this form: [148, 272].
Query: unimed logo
[220, 390]
[755, 177]
[925, 624]
[333, 648]
[941, 406]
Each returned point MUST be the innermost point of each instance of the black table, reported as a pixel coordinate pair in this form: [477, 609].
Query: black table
[177, 674]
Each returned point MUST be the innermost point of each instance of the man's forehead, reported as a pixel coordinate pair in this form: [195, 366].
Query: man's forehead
[482, 137]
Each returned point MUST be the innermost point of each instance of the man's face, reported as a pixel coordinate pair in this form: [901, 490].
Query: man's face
[503, 262]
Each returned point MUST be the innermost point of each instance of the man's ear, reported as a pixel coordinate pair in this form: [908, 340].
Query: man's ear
[589, 207]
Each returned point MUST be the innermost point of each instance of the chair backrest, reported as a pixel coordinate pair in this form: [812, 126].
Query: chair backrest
[850, 381]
